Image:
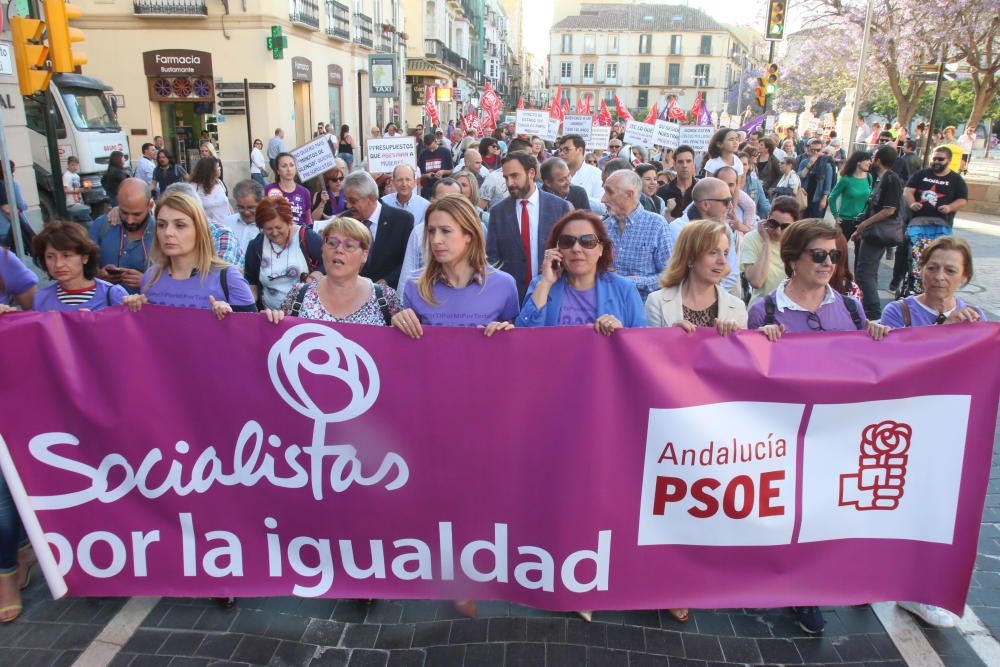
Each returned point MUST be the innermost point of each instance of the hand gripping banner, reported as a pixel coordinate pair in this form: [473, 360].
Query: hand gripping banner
[168, 453]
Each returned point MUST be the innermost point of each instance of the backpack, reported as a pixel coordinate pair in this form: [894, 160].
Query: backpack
[310, 262]
[849, 303]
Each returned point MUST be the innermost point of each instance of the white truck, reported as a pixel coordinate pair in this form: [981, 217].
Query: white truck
[86, 127]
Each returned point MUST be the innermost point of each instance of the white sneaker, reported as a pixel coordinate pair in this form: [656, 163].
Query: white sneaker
[930, 614]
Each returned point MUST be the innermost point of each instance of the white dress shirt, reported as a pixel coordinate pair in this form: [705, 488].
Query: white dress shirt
[373, 219]
[416, 205]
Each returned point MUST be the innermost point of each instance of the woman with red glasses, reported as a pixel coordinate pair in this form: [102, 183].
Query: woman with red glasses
[575, 287]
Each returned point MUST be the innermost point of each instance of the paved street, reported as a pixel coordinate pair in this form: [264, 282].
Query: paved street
[288, 631]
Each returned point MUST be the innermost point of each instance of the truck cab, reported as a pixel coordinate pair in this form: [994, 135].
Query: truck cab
[86, 126]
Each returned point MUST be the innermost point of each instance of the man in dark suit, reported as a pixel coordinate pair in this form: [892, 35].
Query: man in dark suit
[390, 228]
[556, 181]
[520, 223]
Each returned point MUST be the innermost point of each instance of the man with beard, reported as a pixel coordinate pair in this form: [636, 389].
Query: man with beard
[125, 247]
[521, 222]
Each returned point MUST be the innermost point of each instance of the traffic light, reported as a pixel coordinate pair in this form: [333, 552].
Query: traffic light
[771, 79]
[31, 54]
[775, 20]
[761, 92]
[61, 36]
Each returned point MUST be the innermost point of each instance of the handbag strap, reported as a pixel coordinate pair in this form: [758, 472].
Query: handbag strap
[383, 304]
[300, 296]
[905, 309]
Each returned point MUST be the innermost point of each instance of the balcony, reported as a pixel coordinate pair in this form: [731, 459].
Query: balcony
[434, 49]
[385, 42]
[304, 12]
[453, 60]
[171, 8]
[364, 31]
[588, 80]
[338, 20]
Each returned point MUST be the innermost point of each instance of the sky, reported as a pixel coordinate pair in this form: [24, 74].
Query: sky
[538, 24]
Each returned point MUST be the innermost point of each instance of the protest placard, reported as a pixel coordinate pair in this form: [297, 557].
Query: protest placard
[313, 158]
[668, 134]
[532, 122]
[639, 134]
[600, 135]
[384, 154]
[580, 124]
[696, 136]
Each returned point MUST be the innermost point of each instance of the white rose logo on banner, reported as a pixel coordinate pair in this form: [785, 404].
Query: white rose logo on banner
[881, 476]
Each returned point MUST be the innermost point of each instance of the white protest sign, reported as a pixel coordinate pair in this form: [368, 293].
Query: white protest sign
[314, 158]
[639, 134]
[384, 154]
[553, 132]
[580, 124]
[510, 119]
[696, 136]
[532, 122]
[600, 135]
[668, 134]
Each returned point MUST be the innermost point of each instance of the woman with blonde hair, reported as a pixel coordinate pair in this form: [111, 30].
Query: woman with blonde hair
[692, 296]
[457, 286]
[470, 188]
[184, 269]
[341, 295]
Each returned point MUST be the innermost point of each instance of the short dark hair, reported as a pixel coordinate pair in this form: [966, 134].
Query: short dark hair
[787, 204]
[146, 147]
[577, 140]
[518, 144]
[70, 237]
[799, 235]
[911, 144]
[617, 164]
[429, 139]
[485, 143]
[683, 148]
[525, 159]
[444, 181]
[886, 155]
[549, 166]
[600, 231]
[643, 168]
[715, 144]
[945, 150]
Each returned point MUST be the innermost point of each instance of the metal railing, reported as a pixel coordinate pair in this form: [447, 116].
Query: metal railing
[434, 49]
[364, 32]
[171, 8]
[304, 12]
[338, 20]
[385, 42]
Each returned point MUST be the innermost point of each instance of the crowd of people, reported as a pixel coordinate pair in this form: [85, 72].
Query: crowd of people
[508, 231]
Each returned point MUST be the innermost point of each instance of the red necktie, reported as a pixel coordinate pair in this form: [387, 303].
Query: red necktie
[526, 239]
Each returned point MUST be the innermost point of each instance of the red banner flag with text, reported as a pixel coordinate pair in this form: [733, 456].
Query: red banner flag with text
[624, 115]
[430, 106]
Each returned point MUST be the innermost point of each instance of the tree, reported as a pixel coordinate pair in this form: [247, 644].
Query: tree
[975, 27]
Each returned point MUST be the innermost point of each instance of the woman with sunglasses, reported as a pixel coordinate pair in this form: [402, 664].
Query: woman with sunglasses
[760, 256]
[341, 295]
[574, 285]
[457, 286]
[329, 201]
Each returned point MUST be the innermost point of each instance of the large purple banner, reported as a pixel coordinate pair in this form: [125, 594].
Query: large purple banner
[167, 453]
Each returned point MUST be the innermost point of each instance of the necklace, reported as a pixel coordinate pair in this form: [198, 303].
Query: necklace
[277, 250]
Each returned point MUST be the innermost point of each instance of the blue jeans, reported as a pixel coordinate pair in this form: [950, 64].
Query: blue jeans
[348, 158]
[12, 534]
[259, 178]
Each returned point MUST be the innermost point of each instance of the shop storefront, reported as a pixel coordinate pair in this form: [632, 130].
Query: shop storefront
[182, 92]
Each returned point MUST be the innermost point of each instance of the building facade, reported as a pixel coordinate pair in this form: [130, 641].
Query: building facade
[642, 52]
[177, 67]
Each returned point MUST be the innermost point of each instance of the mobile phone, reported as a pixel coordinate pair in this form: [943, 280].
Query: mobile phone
[114, 270]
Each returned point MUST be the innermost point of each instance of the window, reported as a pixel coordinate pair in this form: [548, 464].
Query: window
[645, 44]
[566, 70]
[644, 74]
[567, 43]
[701, 76]
[588, 44]
[675, 45]
[643, 99]
[706, 45]
[588, 71]
[612, 72]
[612, 43]
[34, 115]
[609, 94]
[674, 74]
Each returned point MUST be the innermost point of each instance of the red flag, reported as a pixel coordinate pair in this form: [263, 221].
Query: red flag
[651, 116]
[604, 117]
[520, 102]
[624, 115]
[488, 120]
[586, 109]
[675, 112]
[580, 108]
[565, 107]
[430, 106]
[556, 110]
[696, 109]
[492, 104]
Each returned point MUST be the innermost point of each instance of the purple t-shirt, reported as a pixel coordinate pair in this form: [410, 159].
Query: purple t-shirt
[579, 307]
[194, 292]
[833, 316]
[15, 277]
[105, 294]
[892, 315]
[298, 199]
[471, 306]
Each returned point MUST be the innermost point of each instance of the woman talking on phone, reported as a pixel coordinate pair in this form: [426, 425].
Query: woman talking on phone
[575, 286]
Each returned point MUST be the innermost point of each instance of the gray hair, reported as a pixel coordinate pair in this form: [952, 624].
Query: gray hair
[550, 166]
[182, 186]
[248, 187]
[362, 183]
[627, 180]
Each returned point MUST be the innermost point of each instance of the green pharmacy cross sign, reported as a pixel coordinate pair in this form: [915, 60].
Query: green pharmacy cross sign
[277, 43]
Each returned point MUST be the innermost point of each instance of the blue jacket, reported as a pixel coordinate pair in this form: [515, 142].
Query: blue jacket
[755, 189]
[616, 296]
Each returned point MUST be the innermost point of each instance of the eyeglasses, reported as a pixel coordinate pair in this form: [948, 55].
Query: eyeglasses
[335, 179]
[586, 241]
[773, 224]
[247, 209]
[819, 256]
[812, 319]
[727, 201]
[350, 245]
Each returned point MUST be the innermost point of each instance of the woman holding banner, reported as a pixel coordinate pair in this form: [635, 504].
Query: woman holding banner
[691, 296]
[295, 194]
[575, 287]
[71, 258]
[282, 255]
[457, 286]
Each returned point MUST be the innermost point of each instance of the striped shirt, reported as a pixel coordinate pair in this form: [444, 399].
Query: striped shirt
[75, 297]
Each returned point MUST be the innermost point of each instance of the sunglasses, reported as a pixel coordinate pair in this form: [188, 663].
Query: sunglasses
[586, 241]
[819, 256]
[812, 319]
[335, 179]
[350, 245]
[727, 201]
[772, 224]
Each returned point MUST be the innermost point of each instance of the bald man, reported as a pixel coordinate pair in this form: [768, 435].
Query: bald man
[404, 180]
[125, 247]
[712, 198]
[640, 238]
